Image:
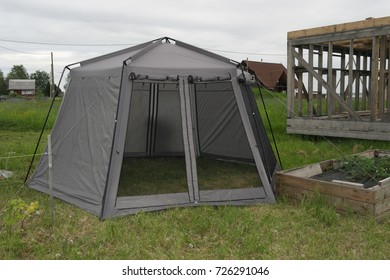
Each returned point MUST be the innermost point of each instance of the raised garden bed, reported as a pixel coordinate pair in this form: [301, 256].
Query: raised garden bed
[364, 189]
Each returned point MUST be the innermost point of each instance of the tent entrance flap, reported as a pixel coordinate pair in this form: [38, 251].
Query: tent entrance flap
[226, 166]
[153, 161]
[154, 124]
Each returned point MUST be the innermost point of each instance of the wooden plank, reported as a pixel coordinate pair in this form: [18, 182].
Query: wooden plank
[310, 83]
[300, 85]
[382, 193]
[329, 94]
[344, 27]
[307, 171]
[365, 91]
[388, 80]
[383, 216]
[357, 83]
[340, 133]
[339, 39]
[352, 193]
[347, 183]
[339, 128]
[342, 76]
[374, 79]
[385, 182]
[382, 206]
[350, 74]
[319, 84]
[358, 126]
[341, 204]
[382, 76]
[290, 82]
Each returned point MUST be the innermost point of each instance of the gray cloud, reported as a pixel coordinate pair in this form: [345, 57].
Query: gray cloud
[248, 26]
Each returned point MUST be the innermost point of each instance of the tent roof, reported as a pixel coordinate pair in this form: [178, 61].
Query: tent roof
[165, 56]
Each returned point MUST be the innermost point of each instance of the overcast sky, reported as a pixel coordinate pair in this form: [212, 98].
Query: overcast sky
[75, 30]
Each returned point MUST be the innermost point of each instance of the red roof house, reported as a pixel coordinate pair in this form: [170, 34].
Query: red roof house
[272, 76]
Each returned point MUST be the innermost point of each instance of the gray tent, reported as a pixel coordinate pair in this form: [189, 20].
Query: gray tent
[161, 99]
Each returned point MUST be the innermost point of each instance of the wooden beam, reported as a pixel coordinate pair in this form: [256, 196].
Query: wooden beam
[382, 76]
[388, 79]
[310, 84]
[344, 27]
[365, 91]
[342, 76]
[318, 77]
[300, 85]
[330, 80]
[319, 84]
[290, 82]
[357, 83]
[336, 38]
[374, 79]
[350, 74]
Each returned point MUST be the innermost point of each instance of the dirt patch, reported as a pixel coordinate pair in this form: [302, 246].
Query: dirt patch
[342, 175]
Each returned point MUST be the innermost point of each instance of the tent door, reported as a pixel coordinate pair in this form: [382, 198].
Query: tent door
[226, 170]
[156, 160]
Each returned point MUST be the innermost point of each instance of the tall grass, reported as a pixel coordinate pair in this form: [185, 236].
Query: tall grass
[22, 114]
[310, 230]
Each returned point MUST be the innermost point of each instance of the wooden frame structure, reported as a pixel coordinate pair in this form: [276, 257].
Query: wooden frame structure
[343, 74]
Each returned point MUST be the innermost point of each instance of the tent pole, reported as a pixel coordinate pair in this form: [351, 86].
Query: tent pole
[50, 161]
[270, 126]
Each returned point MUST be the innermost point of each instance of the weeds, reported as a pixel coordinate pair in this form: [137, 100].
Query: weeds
[18, 212]
[361, 168]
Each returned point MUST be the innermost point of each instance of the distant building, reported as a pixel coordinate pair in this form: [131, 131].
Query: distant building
[272, 76]
[25, 87]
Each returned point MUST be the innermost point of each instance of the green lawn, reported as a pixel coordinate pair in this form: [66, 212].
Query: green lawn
[309, 230]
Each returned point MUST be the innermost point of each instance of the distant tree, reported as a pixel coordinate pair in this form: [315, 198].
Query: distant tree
[47, 89]
[17, 72]
[42, 82]
[3, 85]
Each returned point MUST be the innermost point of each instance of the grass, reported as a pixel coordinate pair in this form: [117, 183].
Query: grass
[309, 230]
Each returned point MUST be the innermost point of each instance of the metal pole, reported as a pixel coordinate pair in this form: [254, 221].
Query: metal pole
[50, 160]
[52, 86]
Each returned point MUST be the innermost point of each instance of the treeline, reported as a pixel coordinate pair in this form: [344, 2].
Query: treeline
[42, 80]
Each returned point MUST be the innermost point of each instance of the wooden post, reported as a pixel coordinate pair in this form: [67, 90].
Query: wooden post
[374, 79]
[310, 83]
[382, 76]
[50, 161]
[357, 83]
[365, 91]
[350, 74]
[319, 84]
[342, 76]
[290, 82]
[388, 81]
[300, 84]
[330, 80]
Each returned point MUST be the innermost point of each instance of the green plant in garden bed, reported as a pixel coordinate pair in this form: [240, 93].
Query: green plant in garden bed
[363, 168]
